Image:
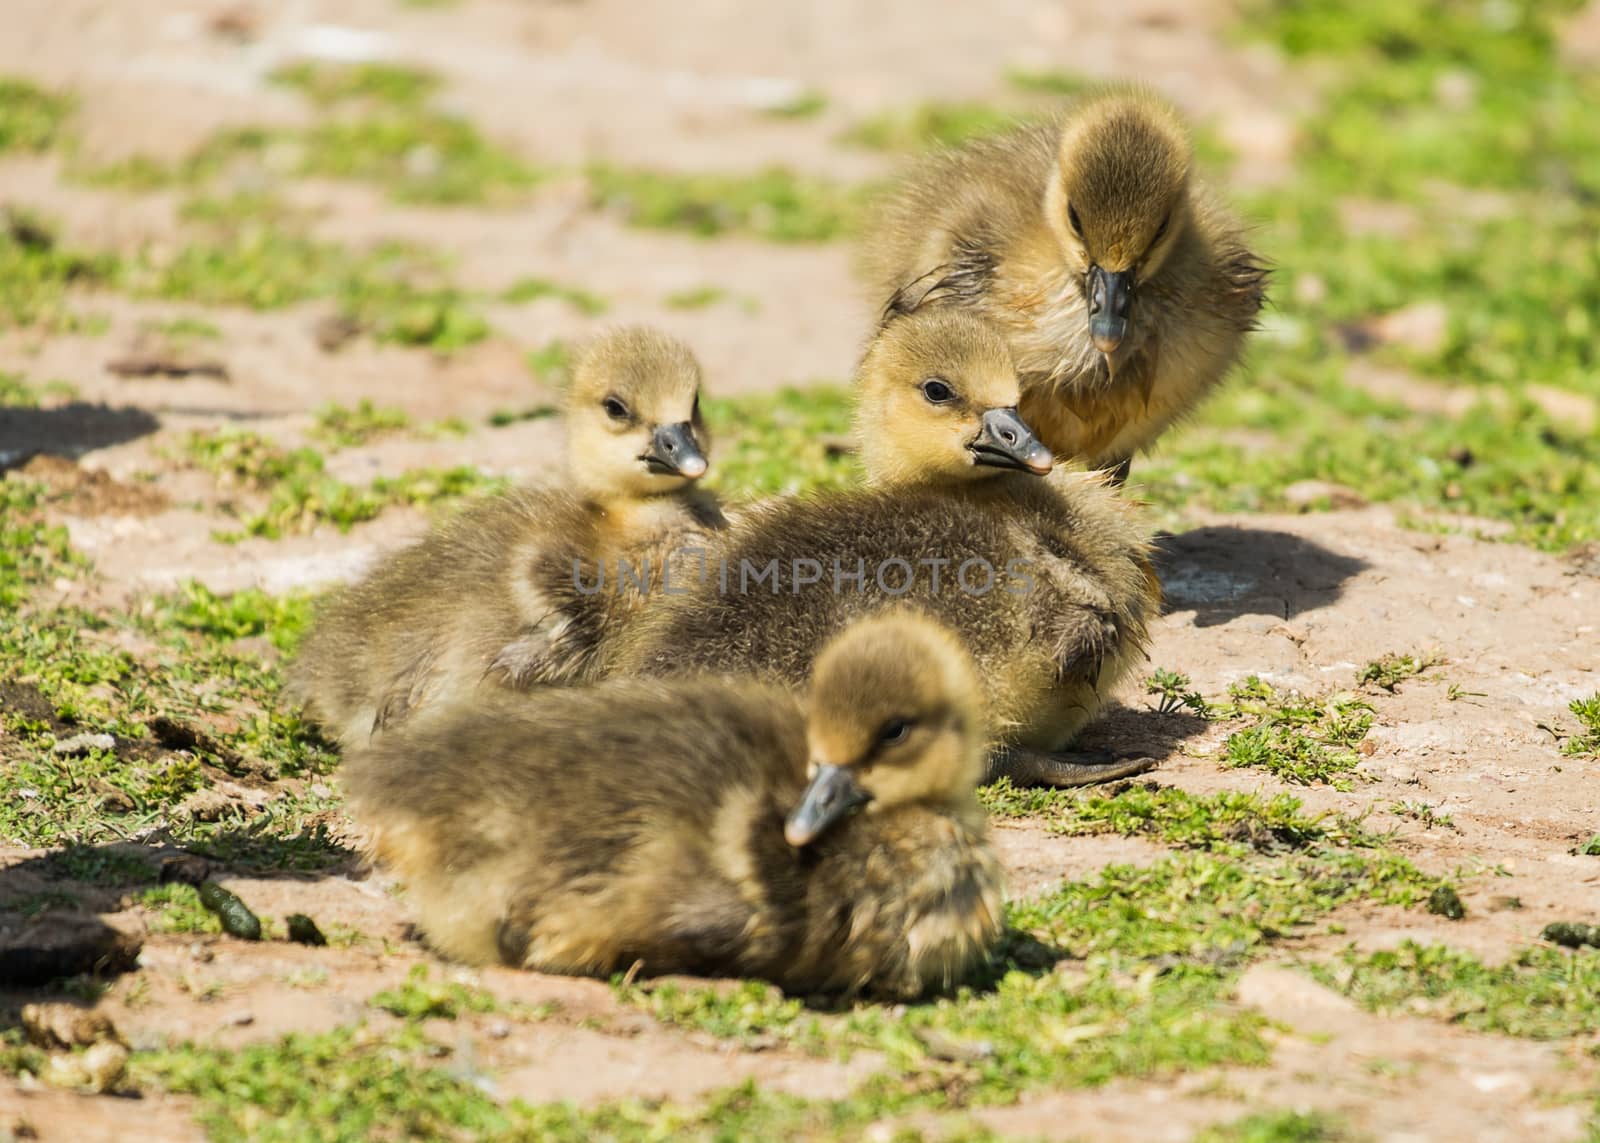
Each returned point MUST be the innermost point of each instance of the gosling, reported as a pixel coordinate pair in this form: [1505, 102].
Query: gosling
[1124, 289]
[1047, 580]
[718, 827]
[525, 589]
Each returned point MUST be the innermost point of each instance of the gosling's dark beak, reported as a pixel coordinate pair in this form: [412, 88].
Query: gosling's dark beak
[1006, 441]
[828, 800]
[1110, 300]
[673, 451]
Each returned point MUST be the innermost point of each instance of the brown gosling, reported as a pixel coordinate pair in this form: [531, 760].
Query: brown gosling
[1046, 579]
[700, 825]
[508, 591]
[1124, 289]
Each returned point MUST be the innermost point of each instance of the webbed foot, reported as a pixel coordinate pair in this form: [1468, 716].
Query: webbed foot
[1064, 768]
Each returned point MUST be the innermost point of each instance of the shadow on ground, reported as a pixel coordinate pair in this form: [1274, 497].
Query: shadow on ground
[1130, 731]
[1223, 572]
[68, 430]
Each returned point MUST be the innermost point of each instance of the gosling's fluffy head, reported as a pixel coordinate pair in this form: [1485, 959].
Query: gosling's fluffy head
[895, 718]
[937, 400]
[633, 416]
[1121, 185]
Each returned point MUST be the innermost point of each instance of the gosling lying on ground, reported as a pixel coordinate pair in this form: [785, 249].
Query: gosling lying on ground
[494, 594]
[1046, 579]
[672, 822]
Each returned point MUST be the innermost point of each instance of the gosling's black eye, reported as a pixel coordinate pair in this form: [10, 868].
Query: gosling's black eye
[1161, 231]
[1072, 217]
[615, 409]
[894, 732]
[937, 391]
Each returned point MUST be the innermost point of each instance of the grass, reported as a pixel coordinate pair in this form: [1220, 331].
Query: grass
[1050, 83]
[385, 84]
[1229, 822]
[1175, 694]
[183, 329]
[423, 998]
[349, 1084]
[551, 362]
[31, 117]
[31, 552]
[1513, 466]
[36, 274]
[1540, 993]
[1297, 738]
[1278, 1127]
[358, 1083]
[17, 393]
[695, 298]
[1213, 907]
[928, 125]
[374, 124]
[1508, 115]
[309, 499]
[418, 156]
[1388, 672]
[779, 442]
[301, 495]
[177, 909]
[775, 204]
[188, 704]
[339, 426]
[1587, 742]
[240, 254]
[533, 289]
[189, 709]
[807, 104]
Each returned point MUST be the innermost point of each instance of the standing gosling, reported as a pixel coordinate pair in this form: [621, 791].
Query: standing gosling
[1046, 579]
[1124, 290]
[670, 823]
[494, 593]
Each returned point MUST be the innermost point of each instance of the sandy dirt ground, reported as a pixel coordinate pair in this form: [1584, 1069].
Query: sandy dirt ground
[1303, 601]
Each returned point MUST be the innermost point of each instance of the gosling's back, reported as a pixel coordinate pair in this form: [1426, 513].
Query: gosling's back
[1047, 582]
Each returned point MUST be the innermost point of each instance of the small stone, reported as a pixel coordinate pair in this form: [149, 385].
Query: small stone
[1310, 289]
[237, 918]
[303, 930]
[1399, 773]
[61, 1026]
[114, 801]
[1572, 934]
[1421, 327]
[1446, 902]
[210, 805]
[98, 1069]
[239, 1019]
[942, 1047]
[186, 869]
[498, 1030]
[83, 744]
[332, 333]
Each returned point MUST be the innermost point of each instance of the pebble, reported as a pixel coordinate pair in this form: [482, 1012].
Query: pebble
[83, 743]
